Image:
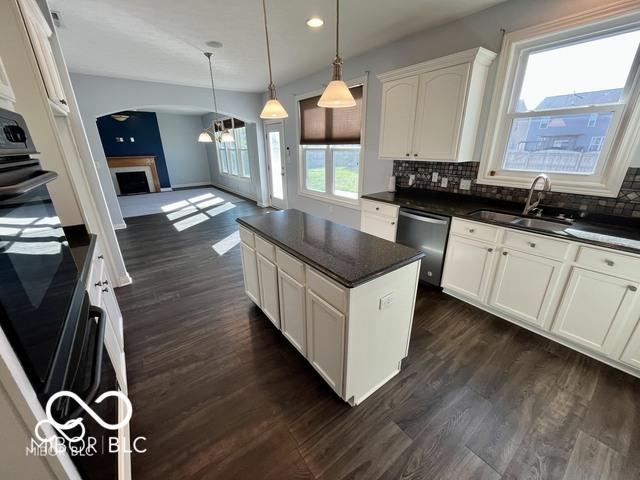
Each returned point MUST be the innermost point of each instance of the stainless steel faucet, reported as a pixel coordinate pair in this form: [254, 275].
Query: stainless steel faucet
[528, 207]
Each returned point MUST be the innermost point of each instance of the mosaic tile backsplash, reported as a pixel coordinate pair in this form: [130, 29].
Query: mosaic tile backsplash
[627, 204]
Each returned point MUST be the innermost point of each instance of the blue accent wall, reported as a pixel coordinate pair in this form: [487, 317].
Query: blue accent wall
[143, 126]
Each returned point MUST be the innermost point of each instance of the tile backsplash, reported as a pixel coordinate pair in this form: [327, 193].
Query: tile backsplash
[627, 204]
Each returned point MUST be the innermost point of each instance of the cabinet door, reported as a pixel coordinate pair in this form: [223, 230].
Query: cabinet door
[250, 273]
[467, 267]
[293, 311]
[378, 225]
[397, 117]
[631, 354]
[523, 285]
[268, 280]
[110, 305]
[325, 340]
[594, 309]
[440, 113]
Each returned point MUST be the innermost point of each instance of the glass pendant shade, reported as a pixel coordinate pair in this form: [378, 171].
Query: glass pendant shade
[336, 95]
[273, 109]
[204, 137]
[227, 137]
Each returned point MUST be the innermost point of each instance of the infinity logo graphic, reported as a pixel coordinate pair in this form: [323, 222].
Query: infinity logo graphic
[77, 422]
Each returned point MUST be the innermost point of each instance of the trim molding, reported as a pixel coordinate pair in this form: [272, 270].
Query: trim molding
[187, 185]
[119, 226]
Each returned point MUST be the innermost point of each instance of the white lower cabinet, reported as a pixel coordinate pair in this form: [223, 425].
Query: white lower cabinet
[293, 311]
[268, 281]
[379, 225]
[594, 309]
[524, 285]
[250, 273]
[631, 353]
[325, 340]
[468, 267]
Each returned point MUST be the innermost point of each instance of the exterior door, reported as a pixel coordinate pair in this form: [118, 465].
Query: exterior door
[274, 143]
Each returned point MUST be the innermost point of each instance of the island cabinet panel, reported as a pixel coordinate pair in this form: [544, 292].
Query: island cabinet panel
[293, 311]
[468, 266]
[524, 285]
[250, 273]
[325, 340]
[268, 280]
[595, 309]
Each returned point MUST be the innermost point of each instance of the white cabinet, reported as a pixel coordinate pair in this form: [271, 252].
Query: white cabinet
[468, 267]
[250, 272]
[293, 311]
[595, 308]
[325, 340]
[430, 111]
[7, 97]
[524, 285]
[631, 354]
[398, 117]
[268, 281]
[379, 219]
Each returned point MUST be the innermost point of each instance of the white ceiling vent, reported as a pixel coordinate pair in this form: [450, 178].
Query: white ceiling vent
[57, 19]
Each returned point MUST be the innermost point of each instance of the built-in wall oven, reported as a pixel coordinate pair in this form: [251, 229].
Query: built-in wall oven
[45, 311]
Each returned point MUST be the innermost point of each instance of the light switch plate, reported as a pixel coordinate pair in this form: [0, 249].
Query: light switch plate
[444, 182]
[465, 184]
[386, 301]
[434, 177]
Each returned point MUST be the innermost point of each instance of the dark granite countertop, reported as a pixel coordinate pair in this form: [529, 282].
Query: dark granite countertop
[344, 254]
[620, 233]
[82, 245]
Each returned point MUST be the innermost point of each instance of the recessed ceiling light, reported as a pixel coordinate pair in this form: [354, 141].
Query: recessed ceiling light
[214, 44]
[315, 22]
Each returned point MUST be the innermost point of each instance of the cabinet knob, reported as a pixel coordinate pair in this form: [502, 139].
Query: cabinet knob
[105, 282]
[611, 263]
[632, 288]
[415, 154]
[105, 290]
[505, 253]
[100, 257]
[393, 223]
[471, 230]
[532, 244]
[377, 208]
[489, 250]
[98, 283]
[408, 154]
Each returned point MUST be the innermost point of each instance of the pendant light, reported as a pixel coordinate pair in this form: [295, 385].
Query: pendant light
[209, 134]
[337, 94]
[273, 108]
[227, 136]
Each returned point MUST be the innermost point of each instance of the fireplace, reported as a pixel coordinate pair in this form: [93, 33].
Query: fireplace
[132, 182]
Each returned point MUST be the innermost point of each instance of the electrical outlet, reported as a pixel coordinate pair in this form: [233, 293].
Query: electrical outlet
[119, 140]
[132, 139]
[386, 301]
[444, 182]
[465, 184]
[412, 180]
[434, 177]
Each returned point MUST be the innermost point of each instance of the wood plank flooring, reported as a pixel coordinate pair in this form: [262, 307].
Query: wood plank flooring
[220, 394]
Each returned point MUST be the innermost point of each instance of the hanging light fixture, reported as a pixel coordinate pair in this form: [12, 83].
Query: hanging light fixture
[337, 94]
[273, 108]
[211, 132]
[227, 136]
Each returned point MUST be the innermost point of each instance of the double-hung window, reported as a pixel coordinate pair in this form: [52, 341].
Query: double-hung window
[566, 104]
[233, 157]
[330, 149]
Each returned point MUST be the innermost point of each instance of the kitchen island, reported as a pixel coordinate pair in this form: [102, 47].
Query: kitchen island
[343, 298]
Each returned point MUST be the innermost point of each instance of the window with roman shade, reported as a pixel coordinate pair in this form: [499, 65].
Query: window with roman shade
[330, 148]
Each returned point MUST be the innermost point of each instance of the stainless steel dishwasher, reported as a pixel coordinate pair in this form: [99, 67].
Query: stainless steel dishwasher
[429, 233]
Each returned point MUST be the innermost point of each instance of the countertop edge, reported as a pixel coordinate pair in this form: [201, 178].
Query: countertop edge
[596, 243]
[323, 269]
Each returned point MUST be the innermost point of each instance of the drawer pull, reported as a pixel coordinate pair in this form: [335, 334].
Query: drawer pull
[505, 253]
[100, 257]
[105, 290]
[407, 154]
[105, 282]
[632, 288]
[415, 154]
[98, 284]
[532, 244]
[489, 250]
[611, 263]
[471, 230]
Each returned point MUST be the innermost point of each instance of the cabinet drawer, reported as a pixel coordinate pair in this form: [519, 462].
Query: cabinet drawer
[292, 267]
[265, 249]
[609, 262]
[326, 289]
[380, 208]
[479, 231]
[544, 246]
[247, 236]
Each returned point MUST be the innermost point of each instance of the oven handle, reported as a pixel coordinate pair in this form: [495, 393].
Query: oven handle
[96, 377]
[44, 176]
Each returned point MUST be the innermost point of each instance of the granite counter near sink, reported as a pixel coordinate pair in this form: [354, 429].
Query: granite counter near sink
[602, 230]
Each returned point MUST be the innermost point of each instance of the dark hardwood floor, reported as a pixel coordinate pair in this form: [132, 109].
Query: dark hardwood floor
[220, 394]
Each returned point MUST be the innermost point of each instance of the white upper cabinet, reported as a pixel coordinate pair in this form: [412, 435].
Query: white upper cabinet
[398, 117]
[430, 111]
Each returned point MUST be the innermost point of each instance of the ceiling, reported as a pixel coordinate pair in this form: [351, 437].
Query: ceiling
[163, 40]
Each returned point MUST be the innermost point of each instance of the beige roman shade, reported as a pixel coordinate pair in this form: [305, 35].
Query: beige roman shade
[330, 126]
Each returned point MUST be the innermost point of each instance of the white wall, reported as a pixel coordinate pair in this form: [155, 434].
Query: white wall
[99, 96]
[478, 30]
[186, 159]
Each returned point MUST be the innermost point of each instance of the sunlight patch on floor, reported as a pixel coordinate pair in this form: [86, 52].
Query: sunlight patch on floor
[190, 222]
[174, 206]
[227, 243]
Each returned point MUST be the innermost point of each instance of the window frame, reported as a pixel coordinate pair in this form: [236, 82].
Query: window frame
[226, 164]
[328, 196]
[620, 143]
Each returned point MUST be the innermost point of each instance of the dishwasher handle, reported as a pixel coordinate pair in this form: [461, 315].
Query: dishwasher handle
[425, 217]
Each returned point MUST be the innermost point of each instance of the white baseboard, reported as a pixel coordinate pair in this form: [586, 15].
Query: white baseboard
[263, 205]
[119, 226]
[125, 280]
[194, 184]
[166, 189]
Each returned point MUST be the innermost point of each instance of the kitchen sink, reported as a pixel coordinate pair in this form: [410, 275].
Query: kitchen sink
[534, 223]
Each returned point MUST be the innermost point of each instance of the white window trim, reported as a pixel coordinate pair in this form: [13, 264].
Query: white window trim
[328, 196]
[619, 149]
[239, 161]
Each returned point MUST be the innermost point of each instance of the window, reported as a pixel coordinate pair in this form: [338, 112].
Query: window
[233, 157]
[330, 149]
[561, 106]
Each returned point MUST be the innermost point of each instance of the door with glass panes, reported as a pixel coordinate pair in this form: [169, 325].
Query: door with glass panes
[274, 133]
